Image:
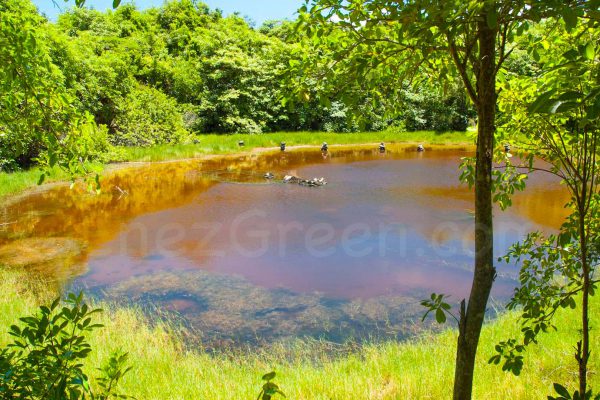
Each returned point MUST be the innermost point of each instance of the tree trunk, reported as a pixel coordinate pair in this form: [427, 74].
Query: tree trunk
[471, 319]
[583, 347]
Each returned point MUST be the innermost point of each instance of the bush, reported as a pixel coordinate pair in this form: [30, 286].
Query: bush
[148, 117]
[45, 359]
[427, 109]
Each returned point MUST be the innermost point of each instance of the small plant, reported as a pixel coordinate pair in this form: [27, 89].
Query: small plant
[439, 307]
[269, 389]
[563, 394]
[45, 359]
[111, 373]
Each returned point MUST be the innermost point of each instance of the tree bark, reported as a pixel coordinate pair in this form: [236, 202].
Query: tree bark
[471, 319]
[583, 347]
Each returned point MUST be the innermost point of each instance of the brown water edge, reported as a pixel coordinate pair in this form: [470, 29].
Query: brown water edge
[133, 189]
[241, 298]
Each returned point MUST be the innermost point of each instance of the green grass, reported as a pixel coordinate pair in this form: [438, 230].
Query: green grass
[224, 144]
[420, 369]
[15, 182]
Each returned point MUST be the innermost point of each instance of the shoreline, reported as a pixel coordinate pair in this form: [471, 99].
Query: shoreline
[417, 368]
[109, 168]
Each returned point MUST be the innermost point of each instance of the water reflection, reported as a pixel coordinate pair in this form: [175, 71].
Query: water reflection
[244, 259]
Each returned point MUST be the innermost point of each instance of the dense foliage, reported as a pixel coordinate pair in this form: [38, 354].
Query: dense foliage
[38, 115]
[139, 78]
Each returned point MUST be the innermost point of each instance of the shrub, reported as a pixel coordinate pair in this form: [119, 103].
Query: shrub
[148, 117]
[45, 359]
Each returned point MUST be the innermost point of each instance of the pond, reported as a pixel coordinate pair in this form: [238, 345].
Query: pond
[242, 259]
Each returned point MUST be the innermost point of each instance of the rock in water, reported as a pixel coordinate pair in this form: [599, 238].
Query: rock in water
[305, 182]
[290, 179]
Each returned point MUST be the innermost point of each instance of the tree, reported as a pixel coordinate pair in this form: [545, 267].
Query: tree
[38, 122]
[382, 43]
[81, 3]
[555, 115]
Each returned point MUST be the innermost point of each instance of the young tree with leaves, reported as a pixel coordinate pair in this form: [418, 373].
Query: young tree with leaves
[381, 43]
[555, 116]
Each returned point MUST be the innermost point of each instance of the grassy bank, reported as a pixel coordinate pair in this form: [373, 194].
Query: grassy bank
[223, 144]
[421, 369]
[15, 182]
[11, 183]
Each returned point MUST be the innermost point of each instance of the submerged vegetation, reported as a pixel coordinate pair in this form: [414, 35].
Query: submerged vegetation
[164, 366]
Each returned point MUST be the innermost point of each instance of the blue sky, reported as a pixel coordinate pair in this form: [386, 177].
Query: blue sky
[258, 10]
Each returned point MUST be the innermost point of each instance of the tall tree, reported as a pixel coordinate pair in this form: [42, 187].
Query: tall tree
[381, 43]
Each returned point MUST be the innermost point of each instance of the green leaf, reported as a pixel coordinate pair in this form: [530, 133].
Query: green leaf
[542, 102]
[440, 316]
[563, 106]
[561, 390]
[589, 51]
[116, 3]
[41, 179]
[593, 111]
[570, 18]
[571, 55]
[570, 95]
